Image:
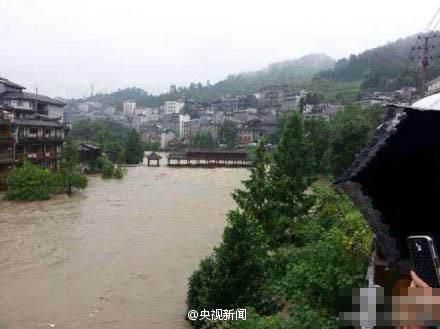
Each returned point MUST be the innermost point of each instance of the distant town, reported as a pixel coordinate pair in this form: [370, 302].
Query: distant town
[176, 123]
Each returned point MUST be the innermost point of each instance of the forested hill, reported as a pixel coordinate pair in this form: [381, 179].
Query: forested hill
[388, 67]
[291, 72]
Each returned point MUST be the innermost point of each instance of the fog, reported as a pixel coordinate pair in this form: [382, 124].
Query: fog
[63, 46]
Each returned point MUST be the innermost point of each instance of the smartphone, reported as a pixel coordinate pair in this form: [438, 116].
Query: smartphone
[424, 258]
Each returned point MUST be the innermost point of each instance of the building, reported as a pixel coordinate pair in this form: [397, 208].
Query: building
[38, 134]
[253, 130]
[151, 114]
[320, 111]
[150, 133]
[83, 107]
[176, 123]
[197, 126]
[128, 108]
[7, 144]
[290, 102]
[166, 137]
[433, 86]
[171, 107]
[271, 96]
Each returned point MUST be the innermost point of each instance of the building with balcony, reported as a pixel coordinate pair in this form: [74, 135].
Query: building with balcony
[7, 143]
[36, 124]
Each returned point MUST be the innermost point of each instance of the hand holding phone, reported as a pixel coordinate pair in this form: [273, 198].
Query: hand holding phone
[424, 258]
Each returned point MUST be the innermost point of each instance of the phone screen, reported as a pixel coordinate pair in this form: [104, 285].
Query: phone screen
[424, 259]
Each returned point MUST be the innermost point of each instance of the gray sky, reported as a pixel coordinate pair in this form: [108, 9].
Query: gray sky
[63, 46]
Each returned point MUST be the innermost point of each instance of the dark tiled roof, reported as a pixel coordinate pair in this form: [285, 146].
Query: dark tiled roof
[395, 178]
[39, 123]
[34, 97]
[88, 147]
[154, 156]
[10, 83]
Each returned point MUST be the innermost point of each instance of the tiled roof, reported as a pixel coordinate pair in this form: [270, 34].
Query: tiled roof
[394, 180]
[34, 97]
[39, 123]
[10, 83]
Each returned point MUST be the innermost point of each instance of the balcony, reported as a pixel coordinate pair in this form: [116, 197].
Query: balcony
[6, 157]
[40, 138]
[7, 138]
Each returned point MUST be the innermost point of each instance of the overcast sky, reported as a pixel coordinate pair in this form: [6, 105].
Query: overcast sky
[63, 46]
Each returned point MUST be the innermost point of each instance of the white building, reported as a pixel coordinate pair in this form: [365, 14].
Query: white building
[173, 107]
[151, 114]
[129, 108]
[83, 107]
[166, 137]
[182, 119]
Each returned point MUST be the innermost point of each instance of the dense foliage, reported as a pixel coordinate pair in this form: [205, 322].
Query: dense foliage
[204, 140]
[228, 134]
[70, 176]
[119, 143]
[134, 150]
[294, 244]
[384, 68]
[31, 182]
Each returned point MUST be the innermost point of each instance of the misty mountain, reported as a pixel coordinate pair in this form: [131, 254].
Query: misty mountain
[387, 67]
[289, 72]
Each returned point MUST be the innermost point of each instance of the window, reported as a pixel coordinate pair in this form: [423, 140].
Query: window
[33, 131]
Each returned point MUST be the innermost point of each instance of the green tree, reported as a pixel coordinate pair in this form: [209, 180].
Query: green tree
[106, 166]
[29, 183]
[350, 130]
[318, 135]
[234, 275]
[134, 152]
[254, 198]
[228, 134]
[291, 174]
[70, 174]
[204, 140]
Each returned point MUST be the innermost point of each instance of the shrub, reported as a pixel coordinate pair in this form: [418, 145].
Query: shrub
[119, 172]
[30, 182]
[106, 167]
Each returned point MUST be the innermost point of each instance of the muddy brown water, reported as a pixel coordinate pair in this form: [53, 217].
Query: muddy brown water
[117, 255]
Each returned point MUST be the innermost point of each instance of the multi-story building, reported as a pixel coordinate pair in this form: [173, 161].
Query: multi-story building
[128, 108]
[290, 102]
[197, 126]
[171, 107]
[36, 124]
[175, 122]
[320, 111]
[150, 113]
[7, 142]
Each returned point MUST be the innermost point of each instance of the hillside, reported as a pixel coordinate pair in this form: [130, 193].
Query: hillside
[290, 72]
[384, 68]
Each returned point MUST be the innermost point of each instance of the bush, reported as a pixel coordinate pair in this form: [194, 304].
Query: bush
[119, 172]
[30, 182]
[106, 167]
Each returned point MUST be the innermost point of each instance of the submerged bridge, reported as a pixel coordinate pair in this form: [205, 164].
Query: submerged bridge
[210, 159]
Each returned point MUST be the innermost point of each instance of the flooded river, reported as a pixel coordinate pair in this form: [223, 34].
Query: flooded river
[117, 255]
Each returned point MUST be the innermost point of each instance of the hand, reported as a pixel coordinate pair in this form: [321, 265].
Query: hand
[417, 282]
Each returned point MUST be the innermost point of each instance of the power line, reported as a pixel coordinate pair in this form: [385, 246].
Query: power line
[428, 28]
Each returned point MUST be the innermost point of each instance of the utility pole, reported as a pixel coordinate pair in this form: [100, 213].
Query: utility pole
[425, 56]
[424, 66]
